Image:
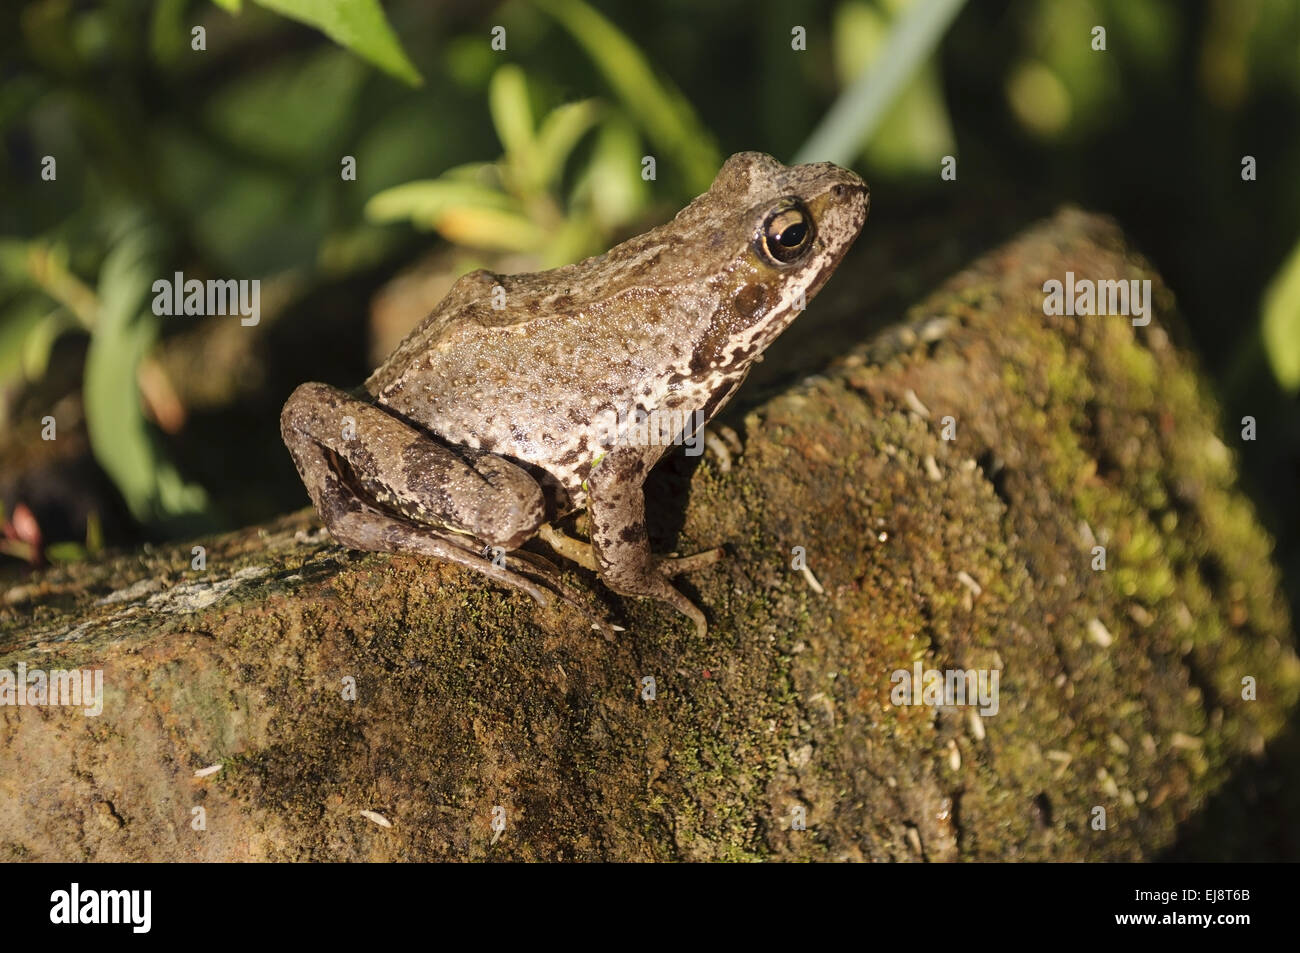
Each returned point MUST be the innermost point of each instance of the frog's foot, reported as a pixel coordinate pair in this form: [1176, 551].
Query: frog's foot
[574, 550]
[648, 585]
[723, 444]
[579, 551]
[543, 571]
[651, 586]
[356, 525]
[685, 607]
[619, 540]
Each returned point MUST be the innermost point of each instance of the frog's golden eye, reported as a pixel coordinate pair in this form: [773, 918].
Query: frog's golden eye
[788, 232]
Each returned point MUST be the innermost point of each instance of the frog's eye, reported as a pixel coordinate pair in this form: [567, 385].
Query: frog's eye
[787, 232]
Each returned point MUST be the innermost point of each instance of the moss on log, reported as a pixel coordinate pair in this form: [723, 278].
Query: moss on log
[1119, 689]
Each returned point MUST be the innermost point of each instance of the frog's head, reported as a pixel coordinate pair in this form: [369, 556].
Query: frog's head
[783, 231]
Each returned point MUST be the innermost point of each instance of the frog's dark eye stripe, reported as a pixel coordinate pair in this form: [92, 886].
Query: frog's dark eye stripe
[787, 232]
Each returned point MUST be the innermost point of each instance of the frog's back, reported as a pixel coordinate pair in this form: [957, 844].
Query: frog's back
[661, 257]
[541, 379]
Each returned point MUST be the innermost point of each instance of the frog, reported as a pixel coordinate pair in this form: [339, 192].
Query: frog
[510, 406]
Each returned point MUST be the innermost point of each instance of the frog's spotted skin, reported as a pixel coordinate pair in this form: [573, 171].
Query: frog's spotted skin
[485, 423]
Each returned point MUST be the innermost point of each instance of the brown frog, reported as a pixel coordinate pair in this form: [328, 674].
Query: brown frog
[516, 401]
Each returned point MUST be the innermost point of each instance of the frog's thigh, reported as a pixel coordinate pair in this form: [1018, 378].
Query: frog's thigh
[403, 470]
[308, 426]
[616, 509]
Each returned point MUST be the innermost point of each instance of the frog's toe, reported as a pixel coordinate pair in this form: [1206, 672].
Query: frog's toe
[607, 629]
[696, 616]
[685, 607]
[574, 550]
[676, 565]
[543, 571]
[723, 444]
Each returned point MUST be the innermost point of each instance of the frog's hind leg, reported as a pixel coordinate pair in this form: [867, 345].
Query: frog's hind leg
[357, 525]
[417, 495]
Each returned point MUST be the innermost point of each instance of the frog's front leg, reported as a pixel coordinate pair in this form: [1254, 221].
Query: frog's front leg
[383, 486]
[616, 510]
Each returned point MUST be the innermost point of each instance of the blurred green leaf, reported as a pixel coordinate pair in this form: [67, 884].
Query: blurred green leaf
[611, 185]
[1038, 98]
[231, 6]
[39, 343]
[858, 111]
[94, 533]
[13, 263]
[534, 157]
[19, 323]
[423, 202]
[481, 173]
[119, 434]
[1280, 323]
[293, 111]
[575, 238]
[357, 25]
[65, 552]
[44, 266]
[665, 115]
[916, 130]
[168, 32]
[489, 229]
[561, 130]
[513, 118]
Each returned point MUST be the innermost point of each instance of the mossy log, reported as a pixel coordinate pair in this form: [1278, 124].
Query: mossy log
[486, 727]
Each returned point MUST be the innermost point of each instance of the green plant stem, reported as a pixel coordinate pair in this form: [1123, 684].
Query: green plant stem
[860, 108]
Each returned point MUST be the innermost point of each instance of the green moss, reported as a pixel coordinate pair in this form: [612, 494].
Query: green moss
[472, 697]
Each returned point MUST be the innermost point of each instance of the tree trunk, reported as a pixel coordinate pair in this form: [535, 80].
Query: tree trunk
[948, 499]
